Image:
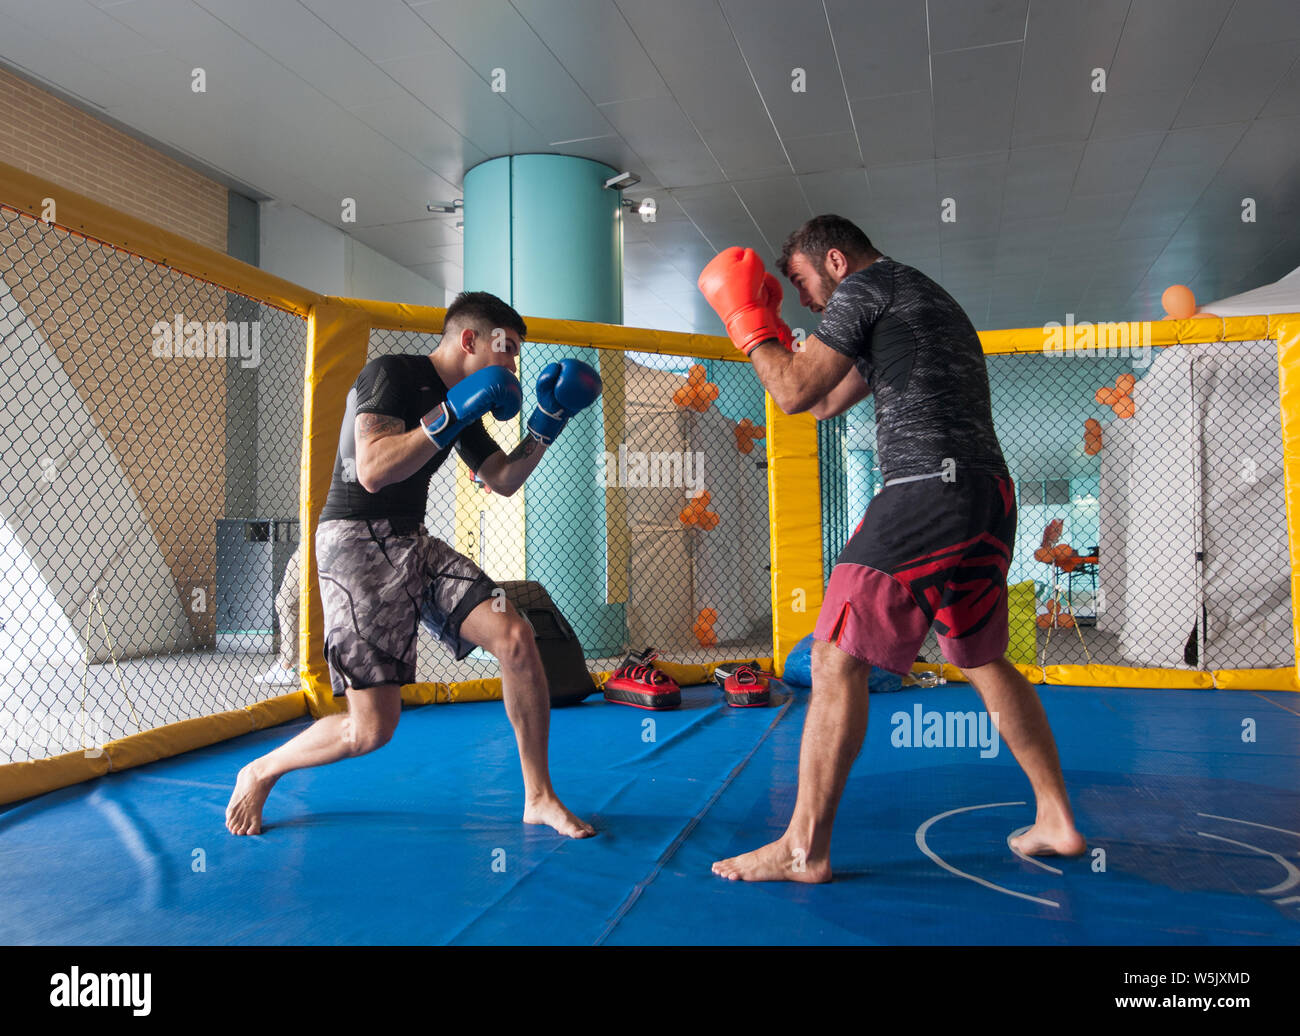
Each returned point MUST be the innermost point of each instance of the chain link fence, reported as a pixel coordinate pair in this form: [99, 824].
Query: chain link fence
[151, 441]
[1152, 517]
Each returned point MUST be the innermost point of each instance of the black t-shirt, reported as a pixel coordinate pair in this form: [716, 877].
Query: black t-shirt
[407, 387]
[921, 357]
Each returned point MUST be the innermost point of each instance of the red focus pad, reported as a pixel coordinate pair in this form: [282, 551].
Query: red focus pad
[733, 284]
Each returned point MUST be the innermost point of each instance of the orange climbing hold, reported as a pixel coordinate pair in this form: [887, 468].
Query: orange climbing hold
[697, 512]
[698, 393]
[1118, 397]
[1092, 437]
[746, 432]
[703, 628]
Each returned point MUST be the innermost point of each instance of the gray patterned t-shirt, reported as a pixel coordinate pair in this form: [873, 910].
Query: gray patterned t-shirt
[920, 355]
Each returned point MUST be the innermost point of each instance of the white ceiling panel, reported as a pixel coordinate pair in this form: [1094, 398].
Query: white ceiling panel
[1286, 98]
[707, 75]
[380, 29]
[1205, 147]
[425, 136]
[975, 23]
[80, 27]
[181, 26]
[657, 129]
[823, 152]
[44, 59]
[1253, 21]
[895, 129]
[594, 42]
[845, 193]
[490, 35]
[777, 205]
[1116, 165]
[1096, 214]
[1065, 197]
[451, 89]
[1123, 113]
[307, 47]
[417, 243]
[974, 99]
[882, 46]
[1237, 81]
[773, 48]
[1067, 40]
[1164, 43]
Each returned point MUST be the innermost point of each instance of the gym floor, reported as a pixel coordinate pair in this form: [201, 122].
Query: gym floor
[1198, 829]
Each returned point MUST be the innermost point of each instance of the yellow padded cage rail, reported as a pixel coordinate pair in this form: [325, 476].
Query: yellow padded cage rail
[338, 329]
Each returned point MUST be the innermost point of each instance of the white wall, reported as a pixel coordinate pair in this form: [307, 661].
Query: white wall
[303, 249]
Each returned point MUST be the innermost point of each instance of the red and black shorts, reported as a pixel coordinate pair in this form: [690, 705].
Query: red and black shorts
[926, 553]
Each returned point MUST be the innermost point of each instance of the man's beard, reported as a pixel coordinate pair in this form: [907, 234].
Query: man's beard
[828, 286]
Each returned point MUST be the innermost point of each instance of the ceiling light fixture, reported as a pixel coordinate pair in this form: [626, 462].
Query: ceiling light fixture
[449, 208]
[622, 181]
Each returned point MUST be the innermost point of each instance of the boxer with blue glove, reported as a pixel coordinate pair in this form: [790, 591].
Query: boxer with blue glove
[382, 574]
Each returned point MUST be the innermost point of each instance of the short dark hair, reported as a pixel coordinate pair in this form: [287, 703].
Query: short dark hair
[482, 307]
[822, 233]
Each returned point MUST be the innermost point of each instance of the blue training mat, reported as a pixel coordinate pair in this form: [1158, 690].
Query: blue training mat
[1189, 830]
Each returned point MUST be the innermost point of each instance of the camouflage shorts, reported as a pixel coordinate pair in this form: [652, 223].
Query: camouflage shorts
[377, 587]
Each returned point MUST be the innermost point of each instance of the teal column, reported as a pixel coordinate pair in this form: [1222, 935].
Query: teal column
[545, 234]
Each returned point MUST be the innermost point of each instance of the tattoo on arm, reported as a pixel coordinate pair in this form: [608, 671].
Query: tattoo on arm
[377, 426]
[526, 448]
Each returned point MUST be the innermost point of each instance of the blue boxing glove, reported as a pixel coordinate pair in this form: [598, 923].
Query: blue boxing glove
[492, 388]
[563, 389]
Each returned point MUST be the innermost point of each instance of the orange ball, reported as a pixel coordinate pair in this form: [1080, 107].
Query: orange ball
[1179, 302]
[1125, 383]
[1105, 396]
[1125, 408]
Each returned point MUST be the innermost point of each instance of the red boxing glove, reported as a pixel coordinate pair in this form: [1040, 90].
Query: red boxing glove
[772, 296]
[733, 283]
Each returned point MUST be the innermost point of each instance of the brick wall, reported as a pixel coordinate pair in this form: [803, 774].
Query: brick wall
[90, 309]
[46, 137]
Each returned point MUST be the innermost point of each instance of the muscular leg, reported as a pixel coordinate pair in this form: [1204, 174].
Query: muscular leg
[507, 635]
[1022, 724]
[368, 724]
[832, 738]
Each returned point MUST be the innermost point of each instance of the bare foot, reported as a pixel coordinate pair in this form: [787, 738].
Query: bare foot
[244, 812]
[552, 813]
[1044, 839]
[777, 861]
